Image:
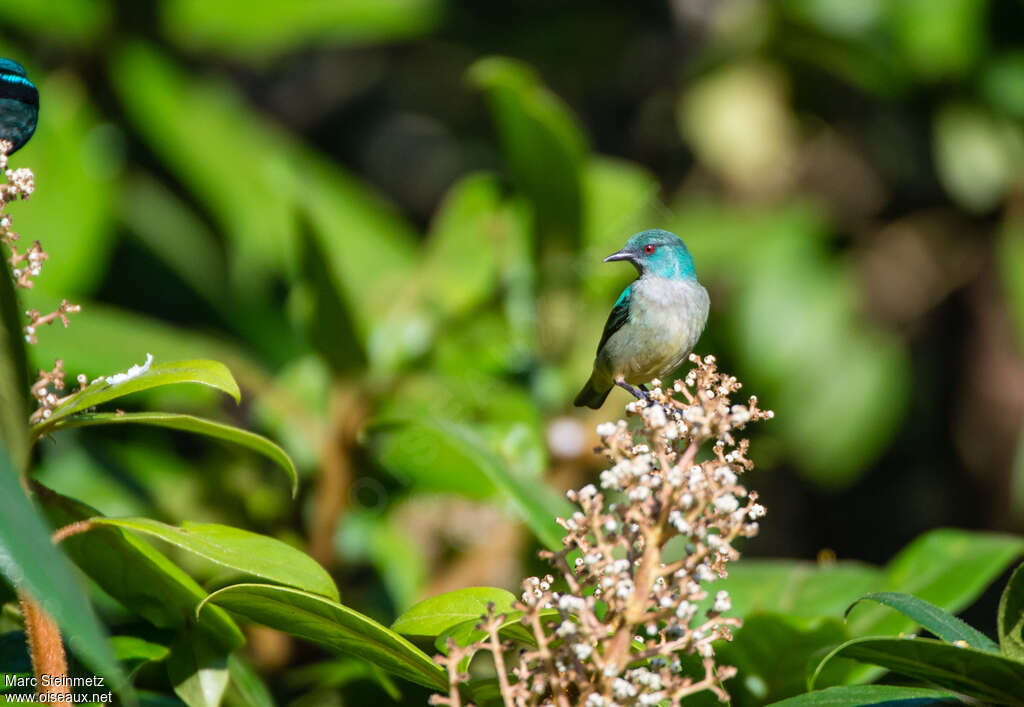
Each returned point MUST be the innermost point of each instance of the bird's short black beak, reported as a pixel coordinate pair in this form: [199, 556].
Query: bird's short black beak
[621, 255]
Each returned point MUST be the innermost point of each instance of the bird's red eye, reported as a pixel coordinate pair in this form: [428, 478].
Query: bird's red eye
[649, 248]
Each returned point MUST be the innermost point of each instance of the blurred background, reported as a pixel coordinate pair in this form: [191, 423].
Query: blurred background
[396, 210]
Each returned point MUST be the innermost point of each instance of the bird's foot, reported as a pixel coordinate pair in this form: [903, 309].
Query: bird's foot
[638, 393]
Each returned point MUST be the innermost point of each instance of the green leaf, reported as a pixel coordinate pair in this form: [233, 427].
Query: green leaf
[245, 688]
[454, 277]
[949, 568]
[250, 553]
[262, 29]
[190, 423]
[1011, 616]
[210, 373]
[542, 144]
[768, 673]
[857, 695]
[797, 589]
[133, 652]
[511, 628]
[536, 504]
[135, 574]
[29, 561]
[436, 614]
[198, 670]
[986, 676]
[331, 625]
[14, 383]
[943, 624]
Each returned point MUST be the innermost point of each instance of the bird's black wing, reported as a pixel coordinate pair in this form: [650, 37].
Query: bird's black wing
[618, 317]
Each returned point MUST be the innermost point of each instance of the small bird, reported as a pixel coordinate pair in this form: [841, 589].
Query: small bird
[19, 104]
[656, 321]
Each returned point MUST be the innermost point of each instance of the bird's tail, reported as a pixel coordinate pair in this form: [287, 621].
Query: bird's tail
[592, 396]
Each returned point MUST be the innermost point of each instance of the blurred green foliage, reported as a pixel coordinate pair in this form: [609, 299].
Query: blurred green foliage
[387, 219]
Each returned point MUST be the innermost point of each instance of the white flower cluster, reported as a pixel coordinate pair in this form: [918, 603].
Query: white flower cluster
[622, 600]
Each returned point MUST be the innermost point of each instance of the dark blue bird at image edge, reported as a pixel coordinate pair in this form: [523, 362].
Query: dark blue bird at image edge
[19, 104]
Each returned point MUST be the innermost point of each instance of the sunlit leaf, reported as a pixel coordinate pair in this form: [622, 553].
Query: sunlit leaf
[943, 624]
[135, 574]
[241, 550]
[210, 373]
[986, 676]
[198, 670]
[542, 144]
[438, 613]
[333, 626]
[189, 423]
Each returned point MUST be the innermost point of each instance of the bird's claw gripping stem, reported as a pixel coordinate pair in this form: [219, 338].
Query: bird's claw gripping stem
[638, 393]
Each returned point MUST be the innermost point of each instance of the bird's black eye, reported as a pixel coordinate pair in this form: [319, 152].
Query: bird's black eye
[649, 248]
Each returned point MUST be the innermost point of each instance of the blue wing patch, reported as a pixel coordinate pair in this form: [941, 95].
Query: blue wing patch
[618, 317]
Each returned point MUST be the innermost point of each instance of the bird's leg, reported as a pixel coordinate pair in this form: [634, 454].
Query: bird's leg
[638, 393]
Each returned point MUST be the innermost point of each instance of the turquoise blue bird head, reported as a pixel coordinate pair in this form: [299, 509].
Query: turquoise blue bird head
[19, 104]
[655, 322]
[657, 253]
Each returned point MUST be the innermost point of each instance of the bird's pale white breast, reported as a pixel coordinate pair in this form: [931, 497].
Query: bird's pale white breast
[666, 319]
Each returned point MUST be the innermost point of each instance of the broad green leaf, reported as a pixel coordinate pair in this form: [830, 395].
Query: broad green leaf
[210, 373]
[943, 624]
[986, 676]
[1011, 616]
[511, 628]
[460, 258]
[949, 568]
[247, 552]
[263, 28]
[133, 652]
[14, 384]
[436, 614]
[857, 695]
[190, 423]
[797, 589]
[331, 625]
[542, 144]
[135, 574]
[245, 688]
[536, 504]
[29, 561]
[198, 669]
[767, 671]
